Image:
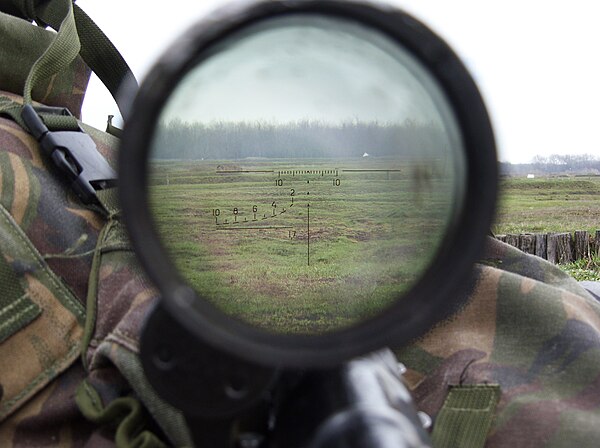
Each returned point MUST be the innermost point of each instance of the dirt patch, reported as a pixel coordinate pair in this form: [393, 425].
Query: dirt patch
[358, 235]
[269, 289]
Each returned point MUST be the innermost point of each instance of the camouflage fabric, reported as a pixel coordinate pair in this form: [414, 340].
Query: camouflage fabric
[79, 270]
[70, 375]
[73, 264]
[526, 326]
[531, 329]
[20, 45]
[92, 270]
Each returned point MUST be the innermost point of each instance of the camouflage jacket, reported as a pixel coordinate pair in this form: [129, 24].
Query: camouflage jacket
[69, 368]
[530, 328]
[81, 296]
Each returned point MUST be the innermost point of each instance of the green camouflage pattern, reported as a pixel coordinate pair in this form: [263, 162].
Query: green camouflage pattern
[525, 325]
[21, 44]
[80, 271]
[533, 330]
[76, 266]
[34, 215]
[51, 418]
[123, 299]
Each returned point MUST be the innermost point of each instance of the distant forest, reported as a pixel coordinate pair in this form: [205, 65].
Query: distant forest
[555, 164]
[303, 139]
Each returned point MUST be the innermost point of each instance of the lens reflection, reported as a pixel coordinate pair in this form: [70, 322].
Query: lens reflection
[303, 176]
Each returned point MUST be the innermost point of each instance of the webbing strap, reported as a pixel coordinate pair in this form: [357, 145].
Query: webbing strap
[16, 308]
[62, 51]
[76, 34]
[12, 109]
[92, 293]
[102, 57]
[109, 198]
[466, 416]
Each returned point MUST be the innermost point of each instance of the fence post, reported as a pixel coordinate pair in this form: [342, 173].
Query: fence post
[527, 243]
[552, 248]
[582, 244]
[541, 245]
[556, 247]
[564, 248]
[512, 239]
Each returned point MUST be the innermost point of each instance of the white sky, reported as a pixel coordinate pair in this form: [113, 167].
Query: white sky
[537, 62]
[327, 71]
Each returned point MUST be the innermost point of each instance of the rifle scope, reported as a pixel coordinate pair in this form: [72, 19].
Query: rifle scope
[308, 181]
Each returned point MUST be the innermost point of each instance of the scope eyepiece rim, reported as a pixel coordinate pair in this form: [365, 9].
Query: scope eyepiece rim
[444, 284]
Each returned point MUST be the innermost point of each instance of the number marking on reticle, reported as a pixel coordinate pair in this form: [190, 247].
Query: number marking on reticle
[296, 205]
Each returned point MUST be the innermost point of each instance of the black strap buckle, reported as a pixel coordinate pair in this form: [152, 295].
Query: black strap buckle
[73, 152]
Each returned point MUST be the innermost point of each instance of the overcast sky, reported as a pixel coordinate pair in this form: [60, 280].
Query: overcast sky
[324, 71]
[537, 62]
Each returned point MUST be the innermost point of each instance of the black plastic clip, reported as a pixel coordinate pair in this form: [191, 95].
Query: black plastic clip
[73, 152]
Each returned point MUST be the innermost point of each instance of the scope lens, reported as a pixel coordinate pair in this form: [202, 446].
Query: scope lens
[303, 174]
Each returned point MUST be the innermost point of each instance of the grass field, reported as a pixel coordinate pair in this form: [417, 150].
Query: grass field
[321, 244]
[552, 204]
[306, 248]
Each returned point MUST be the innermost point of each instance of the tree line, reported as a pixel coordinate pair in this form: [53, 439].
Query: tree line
[555, 164]
[182, 140]
[566, 162]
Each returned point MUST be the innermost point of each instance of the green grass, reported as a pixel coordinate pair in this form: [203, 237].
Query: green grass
[584, 269]
[552, 204]
[555, 204]
[366, 241]
[370, 237]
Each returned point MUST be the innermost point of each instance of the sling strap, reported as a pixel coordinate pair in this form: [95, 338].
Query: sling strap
[76, 34]
[466, 416]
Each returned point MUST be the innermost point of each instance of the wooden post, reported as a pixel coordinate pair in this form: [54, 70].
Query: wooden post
[552, 248]
[501, 238]
[513, 240]
[597, 243]
[527, 243]
[541, 245]
[582, 244]
[564, 248]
